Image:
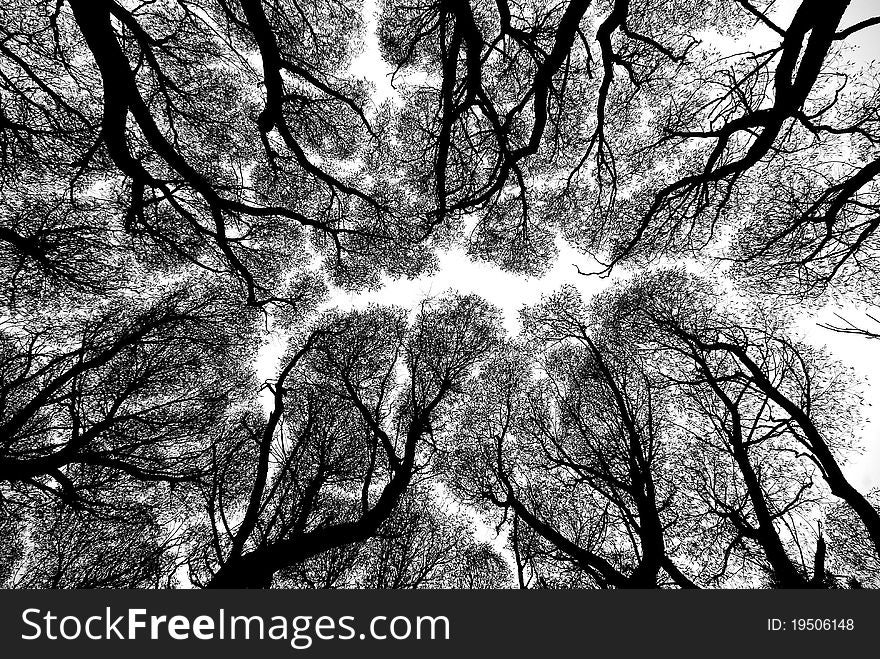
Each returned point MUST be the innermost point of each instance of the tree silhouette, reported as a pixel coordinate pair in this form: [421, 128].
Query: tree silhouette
[769, 399]
[134, 390]
[354, 411]
[422, 545]
[186, 187]
[576, 458]
[653, 435]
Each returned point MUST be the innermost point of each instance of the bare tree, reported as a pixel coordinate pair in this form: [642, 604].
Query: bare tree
[771, 399]
[185, 183]
[423, 544]
[347, 434]
[578, 457]
[134, 389]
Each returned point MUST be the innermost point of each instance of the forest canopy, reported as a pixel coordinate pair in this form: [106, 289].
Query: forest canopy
[187, 188]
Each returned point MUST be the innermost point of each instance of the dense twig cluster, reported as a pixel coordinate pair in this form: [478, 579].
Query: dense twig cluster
[177, 177]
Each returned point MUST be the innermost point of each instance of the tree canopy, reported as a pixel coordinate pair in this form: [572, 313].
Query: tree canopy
[188, 187]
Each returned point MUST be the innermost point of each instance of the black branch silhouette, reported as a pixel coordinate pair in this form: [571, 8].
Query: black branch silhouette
[195, 194]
